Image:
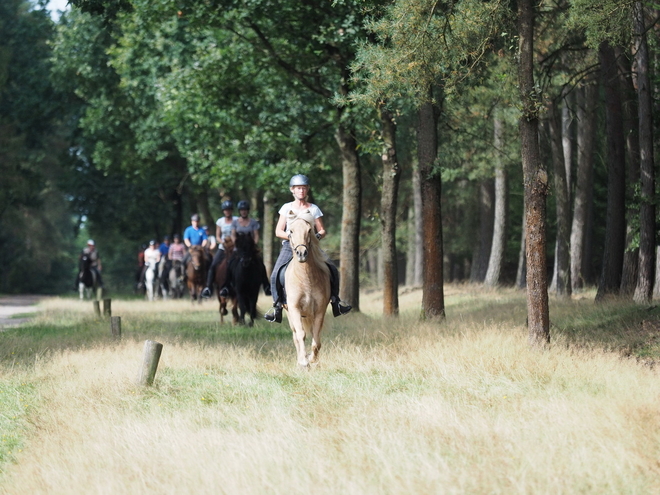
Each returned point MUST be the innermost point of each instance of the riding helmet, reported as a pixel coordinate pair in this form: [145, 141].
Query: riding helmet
[195, 217]
[243, 205]
[90, 242]
[299, 180]
[176, 236]
[166, 238]
[227, 205]
[152, 242]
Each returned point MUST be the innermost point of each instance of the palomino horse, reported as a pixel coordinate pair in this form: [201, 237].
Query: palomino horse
[88, 282]
[220, 278]
[176, 280]
[150, 280]
[247, 274]
[307, 285]
[196, 272]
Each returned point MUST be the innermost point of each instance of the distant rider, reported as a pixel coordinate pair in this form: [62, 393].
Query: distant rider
[223, 229]
[95, 261]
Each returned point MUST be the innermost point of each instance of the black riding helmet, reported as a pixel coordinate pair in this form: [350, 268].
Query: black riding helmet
[243, 205]
[227, 205]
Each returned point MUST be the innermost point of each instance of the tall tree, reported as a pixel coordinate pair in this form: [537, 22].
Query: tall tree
[391, 178]
[610, 278]
[536, 182]
[645, 274]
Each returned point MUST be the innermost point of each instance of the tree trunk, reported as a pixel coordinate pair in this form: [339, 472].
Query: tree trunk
[583, 182]
[411, 248]
[349, 258]
[388, 203]
[482, 248]
[536, 183]
[630, 131]
[419, 227]
[501, 210]
[268, 231]
[615, 230]
[646, 267]
[562, 205]
[433, 304]
[521, 273]
[566, 139]
[204, 208]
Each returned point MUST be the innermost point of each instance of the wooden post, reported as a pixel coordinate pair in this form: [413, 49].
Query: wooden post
[152, 352]
[115, 326]
[107, 310]
[97, 308]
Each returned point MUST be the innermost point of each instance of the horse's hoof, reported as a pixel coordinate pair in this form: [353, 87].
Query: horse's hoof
[224, 312]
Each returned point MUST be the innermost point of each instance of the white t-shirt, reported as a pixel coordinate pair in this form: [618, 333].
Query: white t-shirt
[225, 228]
[151, 256]
[313, 209]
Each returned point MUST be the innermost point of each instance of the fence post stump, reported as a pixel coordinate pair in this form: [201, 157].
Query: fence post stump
[152, 350]
[97, 308]
[115, 326]
[107, 309]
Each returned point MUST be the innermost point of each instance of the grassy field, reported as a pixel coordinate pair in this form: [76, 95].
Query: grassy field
[395, 406]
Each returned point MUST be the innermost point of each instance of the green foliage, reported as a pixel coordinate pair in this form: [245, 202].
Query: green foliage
[602, 20]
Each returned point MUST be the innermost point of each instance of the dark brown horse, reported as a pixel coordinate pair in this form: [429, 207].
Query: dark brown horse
[220, 280]
[196, 268]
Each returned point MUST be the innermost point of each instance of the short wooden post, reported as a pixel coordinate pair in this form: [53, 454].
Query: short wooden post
[97, 308]
[107, 309]
[152, 352]
[115, 326]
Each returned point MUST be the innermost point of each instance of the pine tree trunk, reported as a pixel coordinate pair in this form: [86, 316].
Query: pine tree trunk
[268, 231]
[482, 248]
[433, 304]
[419, 227]
[521, 273]
[615, 230]
[388, 204]
[411, 248]
[583, 182]
[646, 267]
[496, 259]
[630, 131]
[536, 183]
[562, 206]
[349, 264]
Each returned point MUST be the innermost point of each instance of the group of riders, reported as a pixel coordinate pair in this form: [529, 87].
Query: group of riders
[162, 256]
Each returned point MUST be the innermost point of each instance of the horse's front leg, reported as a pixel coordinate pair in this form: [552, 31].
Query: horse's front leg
[81, 290]
[316, 337]
[296, 324]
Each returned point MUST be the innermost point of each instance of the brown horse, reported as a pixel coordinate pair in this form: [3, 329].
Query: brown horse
[220, 279]
[196, 267]
[307, 286]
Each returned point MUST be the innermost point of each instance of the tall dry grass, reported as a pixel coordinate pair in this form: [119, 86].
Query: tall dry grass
[395, 406]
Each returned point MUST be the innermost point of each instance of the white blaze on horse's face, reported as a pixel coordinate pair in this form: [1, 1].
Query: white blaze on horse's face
[300, 237]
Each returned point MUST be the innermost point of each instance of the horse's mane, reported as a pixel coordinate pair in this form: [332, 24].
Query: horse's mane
[315, 251]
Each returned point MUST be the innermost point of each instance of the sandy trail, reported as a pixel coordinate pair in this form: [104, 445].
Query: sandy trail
[13, 305]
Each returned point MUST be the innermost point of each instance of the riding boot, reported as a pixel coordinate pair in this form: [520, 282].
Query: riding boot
[338, 307]
[274, 314]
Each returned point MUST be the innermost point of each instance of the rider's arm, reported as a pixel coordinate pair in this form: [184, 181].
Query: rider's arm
[320, 229]
[281, 225]
[255, 236]
[218, 233]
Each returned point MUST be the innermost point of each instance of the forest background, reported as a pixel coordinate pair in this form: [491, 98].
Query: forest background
[123, 117]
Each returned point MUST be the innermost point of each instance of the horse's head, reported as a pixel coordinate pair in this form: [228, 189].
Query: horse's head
[228, 244]
[245, 247]
[301, 237]
[85, 262]
[196, 257]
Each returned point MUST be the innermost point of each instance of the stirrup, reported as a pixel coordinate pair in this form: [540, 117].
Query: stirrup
[274, 314]
[339, 308]
[206, 293]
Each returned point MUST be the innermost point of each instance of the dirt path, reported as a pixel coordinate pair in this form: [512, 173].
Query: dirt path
[16, 305]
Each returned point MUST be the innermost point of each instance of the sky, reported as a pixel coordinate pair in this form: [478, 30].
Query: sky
[54, 6]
